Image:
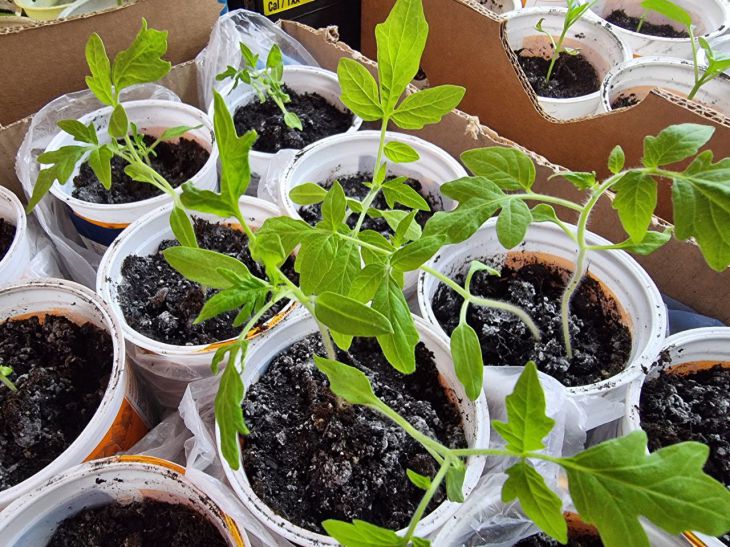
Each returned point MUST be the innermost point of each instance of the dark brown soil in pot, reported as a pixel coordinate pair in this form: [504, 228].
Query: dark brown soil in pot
[140, 524]
[573, 76]
[310, 458]
[354, 188]
[160, 303]
[619, 18]
[61, 371]
[7, 235]
[319, 119]
[574, 540]
[625, 100]
[601, 341]
[177, 162]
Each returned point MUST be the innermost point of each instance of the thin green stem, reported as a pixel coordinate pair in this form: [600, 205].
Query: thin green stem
[641, 21]
[368, 201]
[8, 382]
[556, 54]
[543, 198]
[466, 452]
[435, 448]
[427, 497]
[695, 62]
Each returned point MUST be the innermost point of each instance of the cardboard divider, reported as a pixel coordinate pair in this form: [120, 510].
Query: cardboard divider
[466, 47]
[678, 268]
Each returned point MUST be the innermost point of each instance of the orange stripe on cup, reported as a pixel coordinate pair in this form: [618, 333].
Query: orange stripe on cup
[109, 225]
[128, 428]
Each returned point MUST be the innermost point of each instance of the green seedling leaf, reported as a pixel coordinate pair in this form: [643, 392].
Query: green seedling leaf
[5, 373]
[366, 283]
[508, 168]
[342, 341]
[79, 131]
[100, 80]
[374, 238]
[527, 424]
[142, 62]
[582, 180]
[292, 121]
[249, 58]
[347, 382]
[616, 160]
[400, 152]
[172, 133]
[397, 191]
[467, 354]
[670, 10]
[334, 206]
[427, 106]
[100, 162]
[513, 222]
[402, 230]
[394, 219]
[651, 242]
[540, 504]
[348, 316]
[420, 542]
[206, 267]
[675, 143]
[249, 295]
[327, 263]
[544, 213]
[400, 346]
[274, 59]
[414, 255]
[361, 534]
[455, 482]
[118, 123]
[419, 481]
[307, 194]
[290, 232]
[228, 411]
[62, 164]
[182, 227]
[359, 90]
[668, 487]
[400, 43]
[205, 201]
[636, 199]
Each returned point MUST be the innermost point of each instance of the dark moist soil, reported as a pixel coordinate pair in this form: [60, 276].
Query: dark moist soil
[310, 461]
[354, 188]
[160, 303]
[319, 119]
[573, 76]
[601, 342]
[177, 162]
[574, 540]
[620, 19]
[61, 371]
[625, 100]
[139, 524]
[7, 235]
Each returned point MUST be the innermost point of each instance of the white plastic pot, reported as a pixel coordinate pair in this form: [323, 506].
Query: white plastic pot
[598, 44]
[474, 413]
[299, 78]
[120, 421]
[16, 259]
[501, 6]
[710, 18]
[80, 7]
[350, 154]
[33, 519]
[100, 223]
[142, 238]
[639, 76]
[635, 292]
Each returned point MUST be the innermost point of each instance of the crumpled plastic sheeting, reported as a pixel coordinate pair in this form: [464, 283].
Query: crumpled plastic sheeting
[52, 214]
[254, 30]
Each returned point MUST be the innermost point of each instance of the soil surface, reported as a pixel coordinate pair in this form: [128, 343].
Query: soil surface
[574, 540]
[139, 524]
[573, 76]
[354, 188]
[7, 235]
[619, 18]
[319, 119]
[310, 461]
[61, 371]
[601, 342]
[160, 303]
[625, 100]
[178, 162]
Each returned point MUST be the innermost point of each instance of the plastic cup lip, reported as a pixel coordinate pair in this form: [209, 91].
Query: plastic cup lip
[20, 221]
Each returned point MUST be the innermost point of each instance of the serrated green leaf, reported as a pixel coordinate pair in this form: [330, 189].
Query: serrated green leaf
[635, 201]
[399, 192]
[508, 168]
[205, 201]
[419, 481]
[402, 230]
[651, 242]
[230, 299]
[118, 123]
[540, 504]
[400, 152]
[399, 348]
[79, 131]
[228, 410]
[527, 424]
[395, 217]
[290, 232]
[100, 80]
[41, 187]
[374, 238]
[361, 534]
[327, 263]
[367, 282]
[467, 354]
[616, 160]
[413, 255]
[675, 143]
[513, 222]
[582, 180]
[348, 316]
[334, 206]
[615, 482]
[359, 90]
[142, 62]
[62, 164]
[307, 194]
[274, 58]
[427, 106]
[204, 266]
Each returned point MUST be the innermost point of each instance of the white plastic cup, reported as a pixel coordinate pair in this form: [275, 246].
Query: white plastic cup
[597, 43]
[298, 78]
[101, 223]
[189, 363]
[33, 519]
[634, 291]
[353, 153]
[121, 419]
[475, 416]
[710, 17]
[640, 76]
[17, 258]
[501, 6]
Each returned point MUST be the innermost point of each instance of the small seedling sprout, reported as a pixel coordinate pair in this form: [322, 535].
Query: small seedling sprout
[5, 373]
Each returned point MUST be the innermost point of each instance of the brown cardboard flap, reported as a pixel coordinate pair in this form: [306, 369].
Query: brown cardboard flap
[47, 60]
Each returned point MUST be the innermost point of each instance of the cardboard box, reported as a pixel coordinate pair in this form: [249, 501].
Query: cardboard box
[672, 267]
[466, 47]
[46, 60]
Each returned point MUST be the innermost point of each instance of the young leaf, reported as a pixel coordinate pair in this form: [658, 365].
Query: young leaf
[100, 162]
[100, 80]
[651, 242]
[361, 534]
[542, 212]
[415, 254]
[467, 354]
[540, 504]
[400, 43]
[513, 222]
[374, 238]
[418, 480]
[366, 283]
[400, 152]
[142, 62]
[455, 482]
[616, 160]
[427, 106]
[668, 487]
[292, 121]
[327, 263]
[228, 411]
[334, 206]
[399, 347]
[205, 201]
[527, 424]
[348, 316]
[249, 295]
[508, 168]
[396, 191]
[182, 227]
[395, 217]
[675, 143]
[347, 382]
[205, 267]
[290, 232]
[670, 10]
[359, 90]
[63, 162]
[636, 199]
[582, 180]
[307, 193]
[79, 131]
[403, 229]
[118, 123]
